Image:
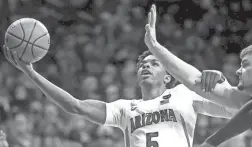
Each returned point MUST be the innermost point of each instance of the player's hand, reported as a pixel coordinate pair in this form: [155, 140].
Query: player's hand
[150, 34]
[3, 142]
[15, 60]
[206, 145]
[209, 79]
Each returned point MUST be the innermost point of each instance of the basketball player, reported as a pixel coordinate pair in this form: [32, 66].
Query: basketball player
[161, 117]
[243, 119]
[226, 95]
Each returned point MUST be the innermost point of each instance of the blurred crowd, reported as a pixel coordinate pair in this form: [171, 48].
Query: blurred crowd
[93, 54]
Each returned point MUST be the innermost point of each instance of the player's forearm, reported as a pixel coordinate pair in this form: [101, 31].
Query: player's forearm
[182, 71]
[58, 95]
[238, 124]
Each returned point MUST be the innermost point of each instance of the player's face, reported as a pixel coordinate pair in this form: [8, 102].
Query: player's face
[151, 71]
[245, 74]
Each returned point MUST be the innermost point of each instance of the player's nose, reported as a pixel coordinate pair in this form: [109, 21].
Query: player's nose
[146, 65]
[238, 72]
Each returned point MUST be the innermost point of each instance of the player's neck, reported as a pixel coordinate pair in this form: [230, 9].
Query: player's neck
[151, 92]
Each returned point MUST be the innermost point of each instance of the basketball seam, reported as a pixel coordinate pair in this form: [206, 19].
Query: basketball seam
[28, 40]
[34, 43]
[18, 37]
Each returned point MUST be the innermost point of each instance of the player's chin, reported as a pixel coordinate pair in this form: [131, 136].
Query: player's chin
[144, 79]
[240, 86]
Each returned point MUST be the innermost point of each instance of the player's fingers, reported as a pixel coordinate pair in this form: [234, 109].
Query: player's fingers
[203, 81]
[10, 57]
[211, 82]
[152, 23]
[5, 52]
[15, 57]
[154, 13]
[149, 18]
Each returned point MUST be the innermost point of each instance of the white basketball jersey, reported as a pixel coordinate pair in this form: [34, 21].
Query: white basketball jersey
[166, 121]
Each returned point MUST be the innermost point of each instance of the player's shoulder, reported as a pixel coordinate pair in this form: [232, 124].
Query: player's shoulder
[184, 92]
[181, 88]
[123, 103]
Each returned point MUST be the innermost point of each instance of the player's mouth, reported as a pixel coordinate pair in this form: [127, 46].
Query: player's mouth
[240, 80]
[146, 73]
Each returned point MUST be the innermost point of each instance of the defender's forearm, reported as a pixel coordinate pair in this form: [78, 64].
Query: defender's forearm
[238, 124]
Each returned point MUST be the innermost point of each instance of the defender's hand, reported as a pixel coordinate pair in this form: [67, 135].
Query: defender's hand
[15, 60]
[209, 79]
[150, 34]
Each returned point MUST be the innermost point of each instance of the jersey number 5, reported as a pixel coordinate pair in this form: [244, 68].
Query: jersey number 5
[149, 142]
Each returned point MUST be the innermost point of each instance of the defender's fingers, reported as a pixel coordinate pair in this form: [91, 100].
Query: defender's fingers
[214, 81]
[203, 81]
[207, 83]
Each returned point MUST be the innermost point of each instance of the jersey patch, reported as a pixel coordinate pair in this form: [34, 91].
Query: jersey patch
[166, 99]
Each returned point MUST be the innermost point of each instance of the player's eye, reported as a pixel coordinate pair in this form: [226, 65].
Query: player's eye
[155, 63]
[245, 65]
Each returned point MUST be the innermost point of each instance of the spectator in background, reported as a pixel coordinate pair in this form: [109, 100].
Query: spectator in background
[18, 131]
[3, 141]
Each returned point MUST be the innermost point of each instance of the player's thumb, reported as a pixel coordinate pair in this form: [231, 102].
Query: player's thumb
[198, 80]
[147, 27]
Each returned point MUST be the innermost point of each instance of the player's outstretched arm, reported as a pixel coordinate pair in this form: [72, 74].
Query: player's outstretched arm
[238, 124]
[91, 109]
[187, 74]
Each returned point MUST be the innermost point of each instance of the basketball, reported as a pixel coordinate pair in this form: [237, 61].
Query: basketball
[29, 38]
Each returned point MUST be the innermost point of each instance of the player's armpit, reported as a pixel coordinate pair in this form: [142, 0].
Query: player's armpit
[116, 113]
[93, 110]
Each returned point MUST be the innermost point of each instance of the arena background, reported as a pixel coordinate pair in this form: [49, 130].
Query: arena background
[94, 47]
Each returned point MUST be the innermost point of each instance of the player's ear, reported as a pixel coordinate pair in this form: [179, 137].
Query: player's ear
[167, 79]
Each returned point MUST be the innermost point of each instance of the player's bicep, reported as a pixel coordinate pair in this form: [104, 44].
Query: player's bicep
[93, 110]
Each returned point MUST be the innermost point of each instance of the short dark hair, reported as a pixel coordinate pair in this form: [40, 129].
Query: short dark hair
[141, 57]
[245, 51]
